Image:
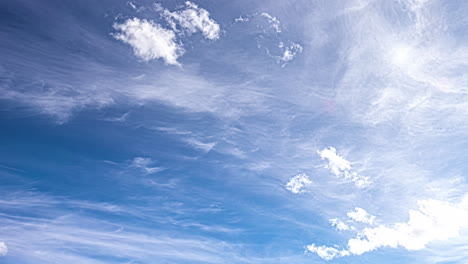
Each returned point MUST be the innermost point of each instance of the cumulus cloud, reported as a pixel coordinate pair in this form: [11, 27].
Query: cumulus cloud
[327, 253]
[149, 40]
[3, 249]
[342, 168]
[144, 164]
[339, 225]
[193, 19]
[434, 220]
[297, 183]
[360, 215]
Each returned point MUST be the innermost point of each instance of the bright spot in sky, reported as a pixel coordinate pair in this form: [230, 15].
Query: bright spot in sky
[401, 55]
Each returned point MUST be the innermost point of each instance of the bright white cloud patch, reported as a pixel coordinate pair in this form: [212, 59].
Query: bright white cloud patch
[327, 253]
[342, 168]
[339, 225]
[149, 40]
[193, 19]
[360, 215]
[145, 165]
[298, 182]
[3, 249]
[434, 220]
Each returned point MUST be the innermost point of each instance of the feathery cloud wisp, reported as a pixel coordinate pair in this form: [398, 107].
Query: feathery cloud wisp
[145, 165]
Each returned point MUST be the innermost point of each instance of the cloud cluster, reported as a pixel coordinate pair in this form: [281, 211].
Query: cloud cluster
[274, 22]
[339, 225]
[360, 215]
[342, 168]
[298, 182]
[357, 215]
[289, 52]
[270, 38]
[327, 253]
[193, 19]
[433, 220]
[151, 41]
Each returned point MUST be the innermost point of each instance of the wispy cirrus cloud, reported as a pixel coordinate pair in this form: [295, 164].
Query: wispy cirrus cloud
[54, 227]
[145, 164]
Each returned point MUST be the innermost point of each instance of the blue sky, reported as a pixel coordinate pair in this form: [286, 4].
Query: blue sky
[233, 131]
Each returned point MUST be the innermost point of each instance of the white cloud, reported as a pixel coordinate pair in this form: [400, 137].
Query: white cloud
[298, 182]
[290, 51]
[327, 253]
[242, 19]
[194, 19]
[274, 22]
[342, 168]
[339, 225]
[360, 215]
[434, 220]
[149, 40]
[145, 165]
[3, 249]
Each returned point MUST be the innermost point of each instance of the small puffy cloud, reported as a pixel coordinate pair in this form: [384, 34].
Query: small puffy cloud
[339, 225]
[327, 253]
[242, 19]
[3, 249]
[274, 22]
[336, 163]
[149, 40]
[193, 19]
[290, 51]
[433, 221]
[297, 183]
[341, 167]
[145, 165]
[360, 215]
